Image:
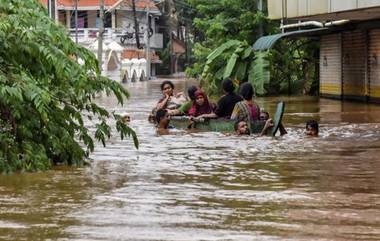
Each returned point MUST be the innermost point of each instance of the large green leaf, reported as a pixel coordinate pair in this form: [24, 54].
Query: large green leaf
[218, 51]
[241, 70]
[247, 52]
[230, 65]
[259, 74]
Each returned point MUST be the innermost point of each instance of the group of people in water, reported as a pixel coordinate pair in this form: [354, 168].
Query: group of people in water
[240, 108]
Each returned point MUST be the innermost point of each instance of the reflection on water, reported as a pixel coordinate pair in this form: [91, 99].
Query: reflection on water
[209, 186]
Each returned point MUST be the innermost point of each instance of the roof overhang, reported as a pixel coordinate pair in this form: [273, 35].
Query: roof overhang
[267, 42]
[361, 14]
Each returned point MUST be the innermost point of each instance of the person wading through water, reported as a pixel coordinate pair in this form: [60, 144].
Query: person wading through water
[184, 109]
[227, 102]
[170, 100]
[162, 120]
[246, 109]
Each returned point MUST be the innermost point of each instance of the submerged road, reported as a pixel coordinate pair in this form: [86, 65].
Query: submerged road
[211, 186]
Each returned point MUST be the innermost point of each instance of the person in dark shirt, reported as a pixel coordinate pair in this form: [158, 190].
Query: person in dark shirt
[227, 102]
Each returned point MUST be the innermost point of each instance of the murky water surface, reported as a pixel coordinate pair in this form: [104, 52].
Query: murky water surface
[211, 186]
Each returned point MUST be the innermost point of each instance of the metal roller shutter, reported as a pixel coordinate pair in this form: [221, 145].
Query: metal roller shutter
[331, 65]
[354, 64]
[374, 63]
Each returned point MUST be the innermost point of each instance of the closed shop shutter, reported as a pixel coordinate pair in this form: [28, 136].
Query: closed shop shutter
[331, 65]
[354, 64]
[374, 63]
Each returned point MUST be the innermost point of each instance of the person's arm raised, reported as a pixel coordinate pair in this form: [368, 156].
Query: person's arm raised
[162, 103]
[268, 124]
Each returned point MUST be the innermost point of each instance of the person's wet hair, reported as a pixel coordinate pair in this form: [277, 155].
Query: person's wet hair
[246, 91]
[313, 124]
[167, 82]
[191, 91]
[228, 86]
[160, 114]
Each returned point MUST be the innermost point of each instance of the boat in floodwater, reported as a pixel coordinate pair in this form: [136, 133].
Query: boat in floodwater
[227, 125]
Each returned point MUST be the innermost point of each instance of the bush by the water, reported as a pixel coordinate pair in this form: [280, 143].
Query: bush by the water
[45, 93]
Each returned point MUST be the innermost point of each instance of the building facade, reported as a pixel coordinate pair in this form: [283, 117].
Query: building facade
[119, 35]
[349, 33]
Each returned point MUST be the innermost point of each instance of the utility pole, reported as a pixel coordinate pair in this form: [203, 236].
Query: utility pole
[147, 45]
[187, 42]
[100, 35]
[76, 21]
[137, 35]
[171, 58]
[51, 9]
[260, 9]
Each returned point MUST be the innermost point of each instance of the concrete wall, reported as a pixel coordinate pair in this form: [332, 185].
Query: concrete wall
[302, 8]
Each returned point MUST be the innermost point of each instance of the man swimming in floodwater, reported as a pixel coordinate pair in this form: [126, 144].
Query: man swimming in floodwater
[312, 128]
[241, 127]
[264, 116]
[162, 120]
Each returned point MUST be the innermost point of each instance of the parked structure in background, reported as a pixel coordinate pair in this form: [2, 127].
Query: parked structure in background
[349, 35]
[119, 38]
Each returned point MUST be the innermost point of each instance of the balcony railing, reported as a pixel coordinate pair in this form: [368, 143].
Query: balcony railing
[89, 35]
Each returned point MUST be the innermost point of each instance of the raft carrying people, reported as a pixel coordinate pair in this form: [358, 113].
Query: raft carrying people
[232, 112]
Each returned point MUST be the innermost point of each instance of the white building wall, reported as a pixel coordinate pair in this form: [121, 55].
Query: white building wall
[339, 5]
[301, 8]
[368, 3]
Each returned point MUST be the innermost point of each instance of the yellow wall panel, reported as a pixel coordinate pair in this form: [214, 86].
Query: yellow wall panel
[353, 89]
[331, 89]
[375, 91]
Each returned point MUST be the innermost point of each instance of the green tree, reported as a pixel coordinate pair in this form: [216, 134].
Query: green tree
[228, 29]
[217, 22]
[45, 95]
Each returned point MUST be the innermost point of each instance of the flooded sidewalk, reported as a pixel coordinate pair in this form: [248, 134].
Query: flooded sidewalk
[211, 186]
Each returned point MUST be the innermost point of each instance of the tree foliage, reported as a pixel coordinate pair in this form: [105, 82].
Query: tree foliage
[294, 67]
[235, 59]
[45, 95]
[228, 28]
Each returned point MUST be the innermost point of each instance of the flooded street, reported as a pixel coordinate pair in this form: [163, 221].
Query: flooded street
[211, 186]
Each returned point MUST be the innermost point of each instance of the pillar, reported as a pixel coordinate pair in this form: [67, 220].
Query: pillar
[68, 19]
[113, 19]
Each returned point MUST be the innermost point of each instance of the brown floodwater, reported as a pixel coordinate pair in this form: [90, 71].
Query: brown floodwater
[211, 186]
